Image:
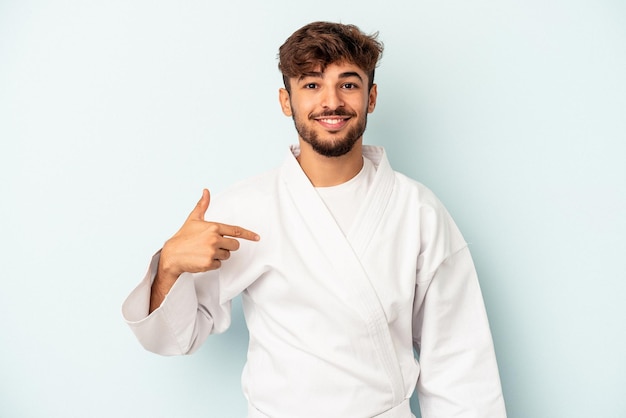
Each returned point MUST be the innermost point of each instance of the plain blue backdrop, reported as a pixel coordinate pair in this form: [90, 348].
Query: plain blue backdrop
[115, 114]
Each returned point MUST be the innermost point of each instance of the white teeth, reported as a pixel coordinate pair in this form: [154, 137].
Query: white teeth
[331, 121]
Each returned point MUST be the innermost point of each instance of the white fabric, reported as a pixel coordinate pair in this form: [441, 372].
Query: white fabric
[401, 411]
[333, 319]
[344, 200]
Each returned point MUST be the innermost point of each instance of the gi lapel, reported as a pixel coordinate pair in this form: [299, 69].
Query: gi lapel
[371, 211]
[344, 253]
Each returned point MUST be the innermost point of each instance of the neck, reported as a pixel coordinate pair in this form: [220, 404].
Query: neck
[330, 171]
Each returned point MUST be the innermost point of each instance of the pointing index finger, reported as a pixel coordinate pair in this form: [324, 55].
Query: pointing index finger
[237, 232]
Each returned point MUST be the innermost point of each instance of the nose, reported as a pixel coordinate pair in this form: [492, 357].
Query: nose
[332, 99]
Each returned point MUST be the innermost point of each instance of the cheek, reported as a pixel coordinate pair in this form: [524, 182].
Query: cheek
[299, 109]
[362, 103]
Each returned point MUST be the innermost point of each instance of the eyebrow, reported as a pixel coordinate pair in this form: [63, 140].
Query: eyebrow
[319, 74]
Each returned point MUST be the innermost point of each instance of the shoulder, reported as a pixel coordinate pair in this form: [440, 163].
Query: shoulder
[252, 187]
[246, 196]
[405, 189]
[437, 229]
[415, 192]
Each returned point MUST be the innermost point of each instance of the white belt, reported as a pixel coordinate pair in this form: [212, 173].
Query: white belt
[400, 411]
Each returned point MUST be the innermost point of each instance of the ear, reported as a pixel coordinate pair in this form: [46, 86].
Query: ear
[373, 94]
[285, 102]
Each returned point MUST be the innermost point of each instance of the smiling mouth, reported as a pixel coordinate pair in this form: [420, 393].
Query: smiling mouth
[333, 120]
[332, 123]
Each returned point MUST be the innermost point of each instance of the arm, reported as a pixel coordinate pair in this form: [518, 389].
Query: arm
[459, 374]
[172, 310]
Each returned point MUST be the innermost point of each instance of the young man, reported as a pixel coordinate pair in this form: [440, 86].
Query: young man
[350, 265]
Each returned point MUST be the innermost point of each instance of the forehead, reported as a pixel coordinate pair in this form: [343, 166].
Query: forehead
[335, 69]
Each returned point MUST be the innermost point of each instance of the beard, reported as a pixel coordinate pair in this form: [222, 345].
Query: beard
[334, 146]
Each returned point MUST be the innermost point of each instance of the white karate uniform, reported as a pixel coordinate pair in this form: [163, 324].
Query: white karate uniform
[333, 317]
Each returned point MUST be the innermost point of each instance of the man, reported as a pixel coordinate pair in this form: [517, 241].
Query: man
[350, 265]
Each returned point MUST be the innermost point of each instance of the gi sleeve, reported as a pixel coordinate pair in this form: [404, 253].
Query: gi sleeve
[459, 375]
[181, 323]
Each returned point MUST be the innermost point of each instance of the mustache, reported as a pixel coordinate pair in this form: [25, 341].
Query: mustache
[336, 112]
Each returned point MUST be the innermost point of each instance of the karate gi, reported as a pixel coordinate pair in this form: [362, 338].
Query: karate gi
[333, 317]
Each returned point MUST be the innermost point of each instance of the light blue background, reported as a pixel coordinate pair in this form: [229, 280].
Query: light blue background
[115, 114]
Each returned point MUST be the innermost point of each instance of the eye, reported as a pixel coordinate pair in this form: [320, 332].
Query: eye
[310, 86]
[350, 86]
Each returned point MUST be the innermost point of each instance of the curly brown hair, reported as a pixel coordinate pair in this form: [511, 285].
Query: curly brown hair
[319, 44]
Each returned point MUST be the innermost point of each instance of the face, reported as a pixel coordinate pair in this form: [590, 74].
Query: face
[330, 108]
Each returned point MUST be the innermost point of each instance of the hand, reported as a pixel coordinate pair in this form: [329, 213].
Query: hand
[198, 246]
